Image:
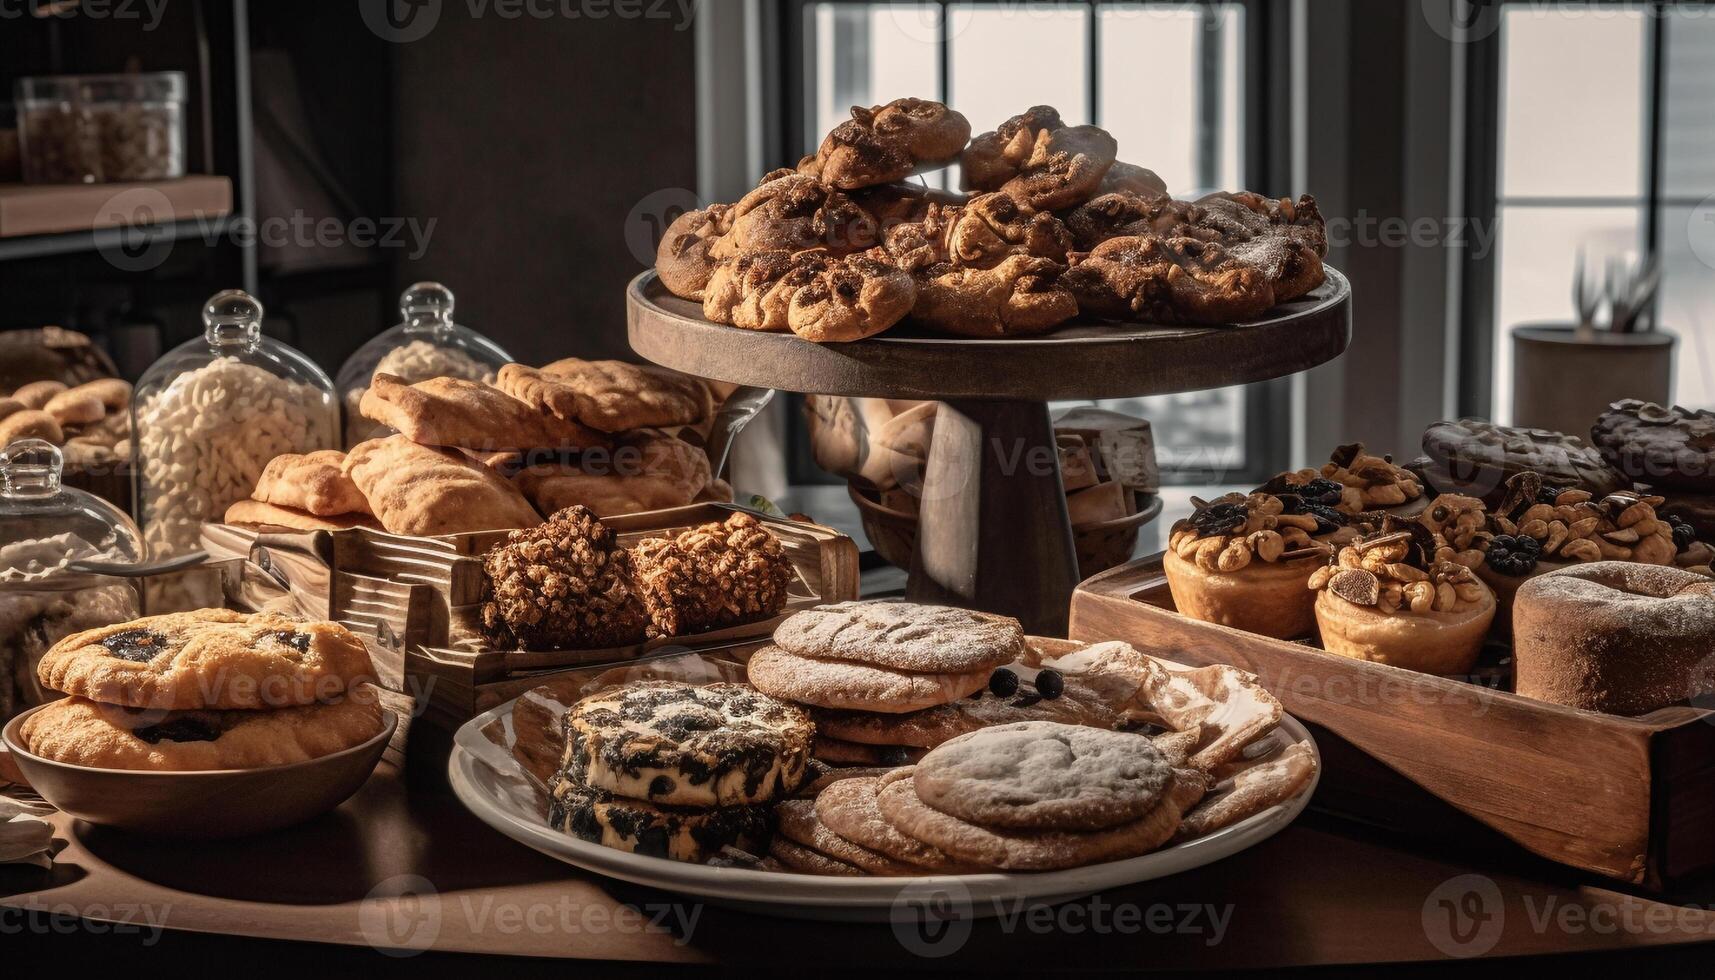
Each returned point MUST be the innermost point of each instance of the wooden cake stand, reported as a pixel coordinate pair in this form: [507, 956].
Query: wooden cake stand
[993, 532]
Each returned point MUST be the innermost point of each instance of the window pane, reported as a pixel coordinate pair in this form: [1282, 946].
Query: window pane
[1150, 104]
[1687, 303]
[1538, 250]
[1688, 104]
[1572, 107]
[1009, 57]
[868, 54]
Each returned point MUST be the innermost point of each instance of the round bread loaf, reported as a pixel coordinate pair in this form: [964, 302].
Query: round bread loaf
[1616, 637]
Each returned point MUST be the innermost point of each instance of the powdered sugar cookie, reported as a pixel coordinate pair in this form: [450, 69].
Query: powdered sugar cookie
[1044, 776]
[800, 824]
[903, 636]
[848, 808]
[842, 684]
[1040, 850]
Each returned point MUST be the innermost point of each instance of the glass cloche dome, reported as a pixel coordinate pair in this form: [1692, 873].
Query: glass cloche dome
[210, 414]
[425, 344]
[44, 528]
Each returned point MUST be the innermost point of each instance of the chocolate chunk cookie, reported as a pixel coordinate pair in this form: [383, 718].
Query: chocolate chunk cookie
[210, 658]
[639, 827]
[681, 745]
[1671, 448]
[107, 736]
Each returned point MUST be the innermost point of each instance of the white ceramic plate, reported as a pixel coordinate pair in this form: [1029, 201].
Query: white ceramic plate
[494, 786]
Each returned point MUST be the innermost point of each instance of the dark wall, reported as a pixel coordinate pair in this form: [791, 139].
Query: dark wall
[528, 142]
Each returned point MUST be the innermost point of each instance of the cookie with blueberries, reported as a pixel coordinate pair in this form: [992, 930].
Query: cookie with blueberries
[81, 732]
[208, 659]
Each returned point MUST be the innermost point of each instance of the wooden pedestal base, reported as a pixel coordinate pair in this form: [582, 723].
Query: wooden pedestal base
[993, 531]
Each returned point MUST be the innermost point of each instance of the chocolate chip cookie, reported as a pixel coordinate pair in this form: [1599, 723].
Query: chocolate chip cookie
[210, 658]
[106, 736]
[641, 827]
[681, 745]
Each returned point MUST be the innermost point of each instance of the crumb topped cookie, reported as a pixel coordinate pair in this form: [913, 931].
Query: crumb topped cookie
[209, 658]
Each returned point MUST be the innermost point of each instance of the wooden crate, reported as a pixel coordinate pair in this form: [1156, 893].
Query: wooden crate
[1629, 798]
[423, 597]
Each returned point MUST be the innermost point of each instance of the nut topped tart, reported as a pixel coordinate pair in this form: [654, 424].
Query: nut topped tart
[1387, 598]
[1538, 528]
[1367, 482]
[1244, 560]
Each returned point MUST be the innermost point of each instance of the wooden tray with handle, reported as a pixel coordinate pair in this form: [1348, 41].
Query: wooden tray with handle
[423, 597]
[1629, 798]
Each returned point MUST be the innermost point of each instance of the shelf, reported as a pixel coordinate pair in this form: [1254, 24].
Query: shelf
[40, 220]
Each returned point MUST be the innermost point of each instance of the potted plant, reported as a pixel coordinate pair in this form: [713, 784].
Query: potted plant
[1565, 375]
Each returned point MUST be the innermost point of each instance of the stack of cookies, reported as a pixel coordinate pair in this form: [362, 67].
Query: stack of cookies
[211, 689]
[617, 438]
[887, 681]
[677, 771]
[1032, 796]
[883, 658]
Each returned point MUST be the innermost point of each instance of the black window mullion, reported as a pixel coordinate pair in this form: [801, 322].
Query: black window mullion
[1653, 162]
[1093, 62]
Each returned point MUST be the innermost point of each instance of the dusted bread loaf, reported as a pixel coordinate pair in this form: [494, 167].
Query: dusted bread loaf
[1614, 636]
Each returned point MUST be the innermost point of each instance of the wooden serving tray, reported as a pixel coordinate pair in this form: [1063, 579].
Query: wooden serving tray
[1629, 798]
[423, 598]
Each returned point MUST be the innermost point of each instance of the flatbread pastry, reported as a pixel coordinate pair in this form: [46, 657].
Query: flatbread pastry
[257, 512]
[650, 471]
[464, 414]
[678, 744]
[609, 396]
[421, 490]
[81, 732]
[1251, 790]
[312, 482]
[210, 658]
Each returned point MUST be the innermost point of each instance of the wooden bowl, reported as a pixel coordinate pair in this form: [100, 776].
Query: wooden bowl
[1101, 546]
[206, 805]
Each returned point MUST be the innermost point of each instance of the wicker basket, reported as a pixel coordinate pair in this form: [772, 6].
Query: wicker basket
[1101, 546]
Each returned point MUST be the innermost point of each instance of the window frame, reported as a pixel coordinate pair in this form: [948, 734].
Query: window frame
[1265, 149]
[1480, 273]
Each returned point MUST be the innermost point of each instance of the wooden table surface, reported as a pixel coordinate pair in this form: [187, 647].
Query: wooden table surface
[1319, 893]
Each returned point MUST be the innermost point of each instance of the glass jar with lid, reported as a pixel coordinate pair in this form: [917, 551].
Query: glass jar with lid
[425, 344]
[84, 129]
[45, 527]
[209, 415]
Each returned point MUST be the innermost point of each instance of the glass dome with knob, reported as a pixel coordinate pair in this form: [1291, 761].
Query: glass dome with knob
[425, 344]
[210, 414]
[45, 529]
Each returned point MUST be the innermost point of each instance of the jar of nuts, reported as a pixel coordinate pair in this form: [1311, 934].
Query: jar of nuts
[210, 414]
[425, 344]
[91, 129]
